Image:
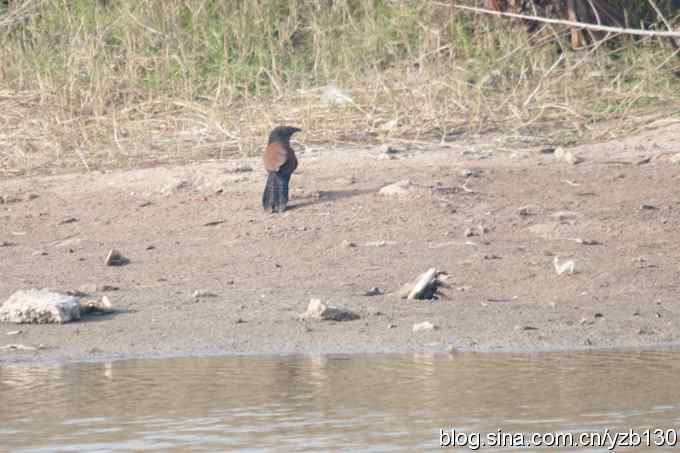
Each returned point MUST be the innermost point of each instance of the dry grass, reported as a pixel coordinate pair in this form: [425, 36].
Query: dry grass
[90, 84]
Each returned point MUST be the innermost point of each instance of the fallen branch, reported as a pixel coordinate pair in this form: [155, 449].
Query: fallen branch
[674, 43]
[569, 23]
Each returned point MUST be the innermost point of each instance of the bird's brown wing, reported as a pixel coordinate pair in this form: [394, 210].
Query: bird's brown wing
[275, 156]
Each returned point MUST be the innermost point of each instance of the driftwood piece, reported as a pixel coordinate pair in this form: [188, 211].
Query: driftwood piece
[569, 23]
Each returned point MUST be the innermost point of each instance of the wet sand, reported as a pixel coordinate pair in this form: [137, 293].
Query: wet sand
[493, 219]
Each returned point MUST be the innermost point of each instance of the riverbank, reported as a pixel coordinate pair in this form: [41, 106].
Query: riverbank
[492, 218]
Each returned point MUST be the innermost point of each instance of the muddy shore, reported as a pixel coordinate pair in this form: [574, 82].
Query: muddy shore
[493, 219]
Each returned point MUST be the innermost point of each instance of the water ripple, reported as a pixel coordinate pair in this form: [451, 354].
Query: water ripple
[309, 403]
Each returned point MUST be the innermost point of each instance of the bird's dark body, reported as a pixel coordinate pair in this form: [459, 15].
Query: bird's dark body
[280, 162]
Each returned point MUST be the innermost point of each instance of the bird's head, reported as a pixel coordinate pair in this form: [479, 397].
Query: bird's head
[282, 134]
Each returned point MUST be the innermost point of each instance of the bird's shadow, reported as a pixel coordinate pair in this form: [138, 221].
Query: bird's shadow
[330, 196]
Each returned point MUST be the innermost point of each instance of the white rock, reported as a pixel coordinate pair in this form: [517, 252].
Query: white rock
[423, 326]
[568, 267]
[400, 188]
[426, 283]
[317, 310]
[675, 159]
[567, 156]
[39, 307]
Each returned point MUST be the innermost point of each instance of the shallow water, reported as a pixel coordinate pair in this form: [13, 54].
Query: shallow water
[368, 403]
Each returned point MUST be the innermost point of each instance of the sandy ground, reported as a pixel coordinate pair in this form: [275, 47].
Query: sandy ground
[496, 234]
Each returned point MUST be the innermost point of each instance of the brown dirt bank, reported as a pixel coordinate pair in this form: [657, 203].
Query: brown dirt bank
[263, 269]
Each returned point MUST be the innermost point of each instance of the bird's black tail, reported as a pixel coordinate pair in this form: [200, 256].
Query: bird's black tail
[275, 195]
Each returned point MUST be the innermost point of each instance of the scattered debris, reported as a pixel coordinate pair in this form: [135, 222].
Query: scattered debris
[391, 326]
[88, 288]
[423, 326]
[468, 232]
[96, 307]
[316, 310]
[567, 156]
[375, 291]
[496, 300]
[568, 267]
[526, 211]
[214, 223]
[176, 187]
[12, 333]
[203, 293]
[491, 256]
[91, 288]
[675, 159]
[115, 258]
[40, 253]
[77, 293]
[470, 172]
[19, 347]
[238, 168]
[348, 244]
[564, 216]
[586, 241]
[643, 263]
[39, 307]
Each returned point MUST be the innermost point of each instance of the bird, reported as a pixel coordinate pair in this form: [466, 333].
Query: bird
[280, 162]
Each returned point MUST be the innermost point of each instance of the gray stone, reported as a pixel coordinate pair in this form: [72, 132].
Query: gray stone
[96, 307]
[115, 258]
[375, 291]
[39, 307]
[316, 310]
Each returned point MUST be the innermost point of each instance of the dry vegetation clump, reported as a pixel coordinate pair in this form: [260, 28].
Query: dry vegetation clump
[90, 84]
